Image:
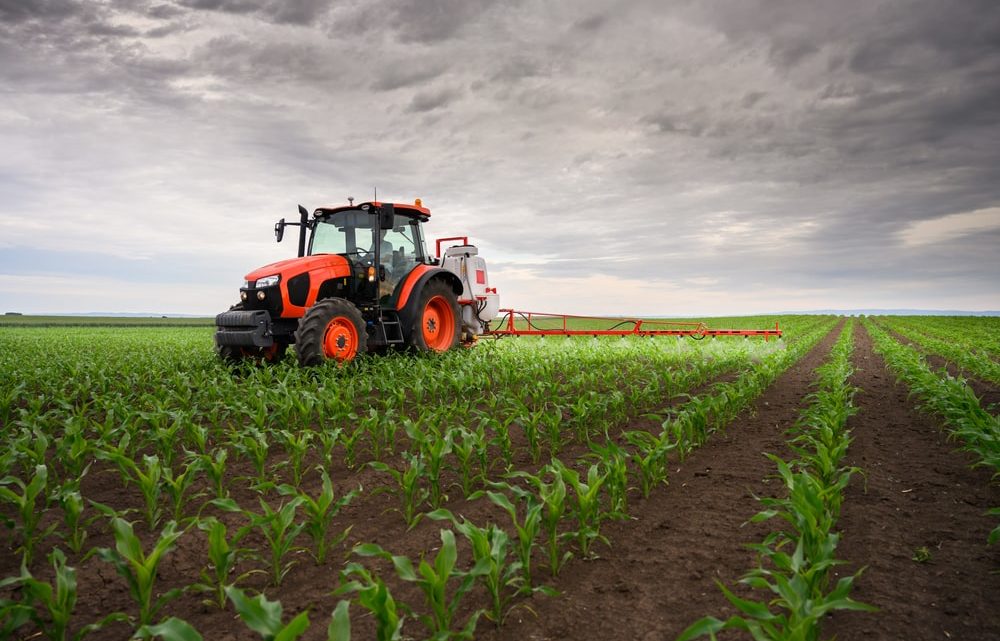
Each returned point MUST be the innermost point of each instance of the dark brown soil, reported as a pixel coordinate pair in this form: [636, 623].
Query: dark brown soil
[918, 492]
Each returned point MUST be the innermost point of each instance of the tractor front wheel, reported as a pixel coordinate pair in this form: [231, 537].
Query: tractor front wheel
[332, 330]
[436, 327]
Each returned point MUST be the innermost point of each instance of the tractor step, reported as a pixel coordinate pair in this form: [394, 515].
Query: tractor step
[392, 330]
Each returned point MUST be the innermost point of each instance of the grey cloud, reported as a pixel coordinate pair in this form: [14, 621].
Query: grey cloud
[432, 99]
[14, 11]
[299, 12]
[406, 73]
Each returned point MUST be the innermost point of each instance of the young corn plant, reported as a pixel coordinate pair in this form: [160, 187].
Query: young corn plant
[374, 596]
[74, 532]
[177, 485]
[25, 504]
[278, 527]
[138, 568]
[585, 504]
[464, 449]
[490, 546]
[213, 464]
[650, 458]
[264, 617]
[527, 529]
[296, 446]
[433, 448]
[433, 580]
[408, 487]
[552, 497]
[50, 606]
[223, 556]
[320, 512]
[147, 478]
[613, 459]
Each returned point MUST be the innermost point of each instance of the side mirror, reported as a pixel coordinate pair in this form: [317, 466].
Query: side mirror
[386, 216]
[303, 212]
[279, 230]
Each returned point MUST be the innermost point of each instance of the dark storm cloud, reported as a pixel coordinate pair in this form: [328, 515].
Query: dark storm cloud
[15, 11]
[406, 73]
[299, 12]
[415, 21]
[430, 100]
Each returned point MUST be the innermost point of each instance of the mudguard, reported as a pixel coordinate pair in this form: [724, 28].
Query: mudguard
[411, 287]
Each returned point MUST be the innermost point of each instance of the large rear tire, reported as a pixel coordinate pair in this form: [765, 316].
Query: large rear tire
[437, 324]
[332, 330]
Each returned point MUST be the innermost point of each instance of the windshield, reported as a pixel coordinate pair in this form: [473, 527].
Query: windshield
[345, 232]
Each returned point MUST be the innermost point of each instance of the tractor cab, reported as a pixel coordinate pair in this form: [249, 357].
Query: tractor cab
[390, 243]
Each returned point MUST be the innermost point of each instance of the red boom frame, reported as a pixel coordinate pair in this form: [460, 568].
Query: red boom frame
[622, 327]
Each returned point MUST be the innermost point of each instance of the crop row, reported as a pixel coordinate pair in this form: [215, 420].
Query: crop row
[951, 345]
[794, 562]
[949, 397]
[980, 334]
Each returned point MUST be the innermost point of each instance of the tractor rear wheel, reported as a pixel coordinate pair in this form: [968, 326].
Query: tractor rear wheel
[436, 327]
[332, 330]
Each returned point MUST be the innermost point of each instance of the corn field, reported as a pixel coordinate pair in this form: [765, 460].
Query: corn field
[149, 491]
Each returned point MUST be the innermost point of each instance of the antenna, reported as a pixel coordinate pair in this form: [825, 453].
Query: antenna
[376, 193]
[350, 200]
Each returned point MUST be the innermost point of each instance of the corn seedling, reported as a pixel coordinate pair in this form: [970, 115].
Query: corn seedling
[320, 512]
[650, 458]
[223, 557]
[585, 504]
[552, 497]
[138, 568]
[276, 526]
[26, 505]
[374, 596]
[527, 529]
[490, 545]
[49, 606]
[433, 580]
[73, 533]
[408, 488]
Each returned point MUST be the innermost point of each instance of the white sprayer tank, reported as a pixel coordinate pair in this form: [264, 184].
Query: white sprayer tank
[479, 302]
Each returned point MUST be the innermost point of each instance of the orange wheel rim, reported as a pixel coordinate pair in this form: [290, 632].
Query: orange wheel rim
[340, 342]
[438, 324]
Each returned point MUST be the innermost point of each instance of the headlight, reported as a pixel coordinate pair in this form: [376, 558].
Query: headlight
[246, 284]
[267, 281]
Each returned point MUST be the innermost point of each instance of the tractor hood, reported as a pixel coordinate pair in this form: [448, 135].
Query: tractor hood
[295, 266]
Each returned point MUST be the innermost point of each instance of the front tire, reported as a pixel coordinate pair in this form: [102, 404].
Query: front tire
[332, 330]
[437, 325]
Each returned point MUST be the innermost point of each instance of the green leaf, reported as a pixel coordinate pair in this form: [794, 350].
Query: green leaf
[173, 629]
[340, 623]
[259, 614]
[294, 629]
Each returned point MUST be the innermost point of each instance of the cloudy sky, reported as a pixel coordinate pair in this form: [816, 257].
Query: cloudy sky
[638, 157]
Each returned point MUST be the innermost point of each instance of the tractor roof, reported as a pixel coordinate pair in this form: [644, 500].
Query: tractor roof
[416, 210]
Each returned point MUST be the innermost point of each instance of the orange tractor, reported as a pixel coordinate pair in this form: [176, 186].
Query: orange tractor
[363, 281]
